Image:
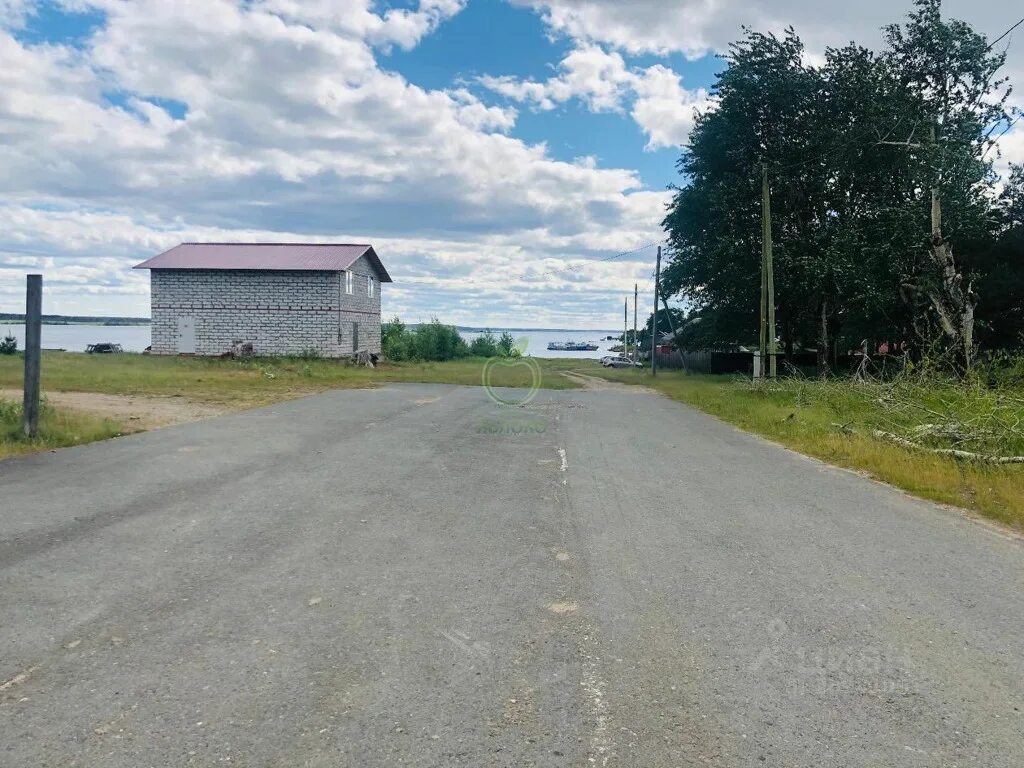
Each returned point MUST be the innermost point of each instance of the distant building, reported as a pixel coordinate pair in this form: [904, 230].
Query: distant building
[283, 298]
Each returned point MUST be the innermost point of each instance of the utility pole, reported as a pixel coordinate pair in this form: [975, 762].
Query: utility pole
[33, 332]
[768, 345]
[654, 318]
[625, 328]
[636, 339]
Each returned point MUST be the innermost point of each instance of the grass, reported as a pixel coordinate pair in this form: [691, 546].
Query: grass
[245, 383]
[835, 422]
[57, 429]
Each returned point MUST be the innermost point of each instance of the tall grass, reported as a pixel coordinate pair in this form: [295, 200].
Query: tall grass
[58, 428]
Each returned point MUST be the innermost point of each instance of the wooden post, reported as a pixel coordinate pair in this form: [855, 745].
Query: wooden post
[762, 345]
[636, 339]
[33, 342]
[654, 318]
[625, 328]
[767, 279]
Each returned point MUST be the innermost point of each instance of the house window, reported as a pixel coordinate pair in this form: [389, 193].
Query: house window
[369, 287]
[348, 283]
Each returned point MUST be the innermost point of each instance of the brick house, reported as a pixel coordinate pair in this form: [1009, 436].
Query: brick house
[283, 298]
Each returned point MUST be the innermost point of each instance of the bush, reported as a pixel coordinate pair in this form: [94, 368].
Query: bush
[9, 345]
[436, 341]
[392, 338]
[484, 345]
[507, 345]
[432, 341]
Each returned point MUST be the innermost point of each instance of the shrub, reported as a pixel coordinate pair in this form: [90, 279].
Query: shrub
[9, 344]
[507, 345]
[431, 341]
[395, 340]
[436, 341]
[484, 345]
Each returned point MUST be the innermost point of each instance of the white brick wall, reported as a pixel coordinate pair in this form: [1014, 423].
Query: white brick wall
[279, 312]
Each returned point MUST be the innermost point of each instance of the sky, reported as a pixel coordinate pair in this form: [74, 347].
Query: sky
[498, 154]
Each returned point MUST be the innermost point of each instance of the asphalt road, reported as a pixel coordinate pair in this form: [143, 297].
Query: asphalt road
[415, 576]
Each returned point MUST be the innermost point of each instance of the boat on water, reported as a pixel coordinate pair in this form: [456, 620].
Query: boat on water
[572, 346]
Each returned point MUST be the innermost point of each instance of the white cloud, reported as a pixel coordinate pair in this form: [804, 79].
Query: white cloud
[598, 77]
[661, 106]
[497, 279]
[292, 130]
[664, 109]
[697, 27]
[1011, 149]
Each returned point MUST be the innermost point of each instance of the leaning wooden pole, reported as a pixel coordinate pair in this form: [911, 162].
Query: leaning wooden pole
[675, 333]
[33, 351]
[654, 318]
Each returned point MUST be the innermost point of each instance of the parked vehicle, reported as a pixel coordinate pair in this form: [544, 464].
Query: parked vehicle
[619, 361]
[103, 349]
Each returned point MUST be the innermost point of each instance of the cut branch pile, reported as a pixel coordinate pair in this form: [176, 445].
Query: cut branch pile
[952, 452]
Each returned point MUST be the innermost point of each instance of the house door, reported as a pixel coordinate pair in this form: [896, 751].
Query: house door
[186, 335]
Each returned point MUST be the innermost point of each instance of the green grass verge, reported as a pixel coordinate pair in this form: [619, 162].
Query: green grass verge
[245, 383]
[58, 428]
[835, 421]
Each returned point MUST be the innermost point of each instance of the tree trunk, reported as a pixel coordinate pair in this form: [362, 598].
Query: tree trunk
[823, 340]
[953, 302]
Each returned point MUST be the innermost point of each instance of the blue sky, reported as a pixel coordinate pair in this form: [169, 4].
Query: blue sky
[480, 145]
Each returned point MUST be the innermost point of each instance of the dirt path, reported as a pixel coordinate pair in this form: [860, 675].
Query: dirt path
[135, 412]
[597, 384]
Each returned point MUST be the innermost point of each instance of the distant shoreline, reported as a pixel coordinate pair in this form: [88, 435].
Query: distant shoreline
[12, 319]
[15, 319]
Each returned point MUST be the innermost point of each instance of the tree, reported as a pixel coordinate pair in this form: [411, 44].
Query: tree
[852, 167]
[951, 79]
[507, 344]
[8, 345]
[484, 345]
[394, 340]
[1001, 269]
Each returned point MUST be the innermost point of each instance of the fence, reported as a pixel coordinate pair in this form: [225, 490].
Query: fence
[704, 361]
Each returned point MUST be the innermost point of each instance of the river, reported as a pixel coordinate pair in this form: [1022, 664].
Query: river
[135, 338]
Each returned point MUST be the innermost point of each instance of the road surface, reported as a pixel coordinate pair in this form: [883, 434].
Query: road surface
[415, 576]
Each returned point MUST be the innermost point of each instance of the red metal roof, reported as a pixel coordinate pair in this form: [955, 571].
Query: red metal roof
[309, 257]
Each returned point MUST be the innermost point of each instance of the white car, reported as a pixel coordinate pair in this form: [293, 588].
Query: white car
[618, 361]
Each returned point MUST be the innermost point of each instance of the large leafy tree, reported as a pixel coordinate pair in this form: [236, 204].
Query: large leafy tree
[854, 149]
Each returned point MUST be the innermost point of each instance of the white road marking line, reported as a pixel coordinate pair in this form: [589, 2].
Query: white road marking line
[565, 462]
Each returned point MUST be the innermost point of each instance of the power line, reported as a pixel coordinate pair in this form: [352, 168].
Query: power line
[573, 268]
[578, 267]
[831, 150]
[1007, 32]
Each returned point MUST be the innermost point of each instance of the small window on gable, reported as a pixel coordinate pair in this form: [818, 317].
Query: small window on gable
[370, 287]
[348, 282]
